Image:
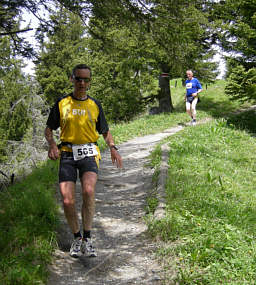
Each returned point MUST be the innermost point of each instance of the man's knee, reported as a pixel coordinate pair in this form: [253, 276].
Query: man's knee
[67, 190]
[88, 191]
[68, 202]
[89, 180]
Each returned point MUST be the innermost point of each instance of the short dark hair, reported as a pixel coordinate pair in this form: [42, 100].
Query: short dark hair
[81, 66]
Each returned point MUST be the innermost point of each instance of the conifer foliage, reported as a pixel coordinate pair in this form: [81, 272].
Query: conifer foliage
[14, 95]
[64, 46]
[238, 39]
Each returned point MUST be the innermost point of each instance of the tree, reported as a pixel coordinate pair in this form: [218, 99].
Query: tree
[138, 40]
[59, 52]
[118, 79]
[14, 95]
[176, 33]
[238, 39]
[10, 12]
[13, 105]
[242, 84]
[121, 60]
[238, 33]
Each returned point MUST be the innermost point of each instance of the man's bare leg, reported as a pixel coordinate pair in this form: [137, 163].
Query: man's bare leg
[88, 181]
[193, 108]
[188, 109]
[67, 190]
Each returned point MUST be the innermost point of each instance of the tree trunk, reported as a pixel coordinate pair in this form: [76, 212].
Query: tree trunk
[164, 94]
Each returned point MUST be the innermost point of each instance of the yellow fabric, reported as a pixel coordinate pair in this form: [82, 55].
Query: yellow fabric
[78, 122]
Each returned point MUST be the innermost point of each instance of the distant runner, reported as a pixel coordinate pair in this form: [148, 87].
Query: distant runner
[193, 87]
[81, 119]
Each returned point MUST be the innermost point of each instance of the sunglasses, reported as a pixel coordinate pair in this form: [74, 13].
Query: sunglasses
[80, 79]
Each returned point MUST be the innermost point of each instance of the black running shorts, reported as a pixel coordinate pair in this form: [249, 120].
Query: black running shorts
[190, 99]
[68, 166]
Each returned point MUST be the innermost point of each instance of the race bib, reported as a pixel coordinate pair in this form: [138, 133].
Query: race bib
[189, 85]
[81, 151]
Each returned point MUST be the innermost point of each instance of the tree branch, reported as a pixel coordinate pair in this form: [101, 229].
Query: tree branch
[15, 32]
[3, 174]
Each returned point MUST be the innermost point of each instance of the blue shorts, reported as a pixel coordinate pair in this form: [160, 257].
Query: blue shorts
[68, 166]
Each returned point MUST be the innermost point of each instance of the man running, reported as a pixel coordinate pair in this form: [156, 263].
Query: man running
[81, 119]
[193, 87]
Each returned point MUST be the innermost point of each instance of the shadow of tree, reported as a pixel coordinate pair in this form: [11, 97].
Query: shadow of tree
[217, 109]
[244, 121]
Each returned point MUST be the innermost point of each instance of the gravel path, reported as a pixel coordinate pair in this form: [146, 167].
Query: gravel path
[125, 252]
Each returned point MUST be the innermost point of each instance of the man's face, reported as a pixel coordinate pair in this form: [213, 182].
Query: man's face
[189, 75]
[81, 80]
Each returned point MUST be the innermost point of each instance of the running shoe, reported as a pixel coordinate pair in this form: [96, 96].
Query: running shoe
[75, 250]
[193, 122]
[88, 248]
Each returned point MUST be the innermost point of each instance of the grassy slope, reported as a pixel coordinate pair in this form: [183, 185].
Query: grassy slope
[28, 222]
[209, 224]
[209, 227]
[28, 210]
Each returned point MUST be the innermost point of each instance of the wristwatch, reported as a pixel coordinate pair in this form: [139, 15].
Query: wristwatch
[113, 146]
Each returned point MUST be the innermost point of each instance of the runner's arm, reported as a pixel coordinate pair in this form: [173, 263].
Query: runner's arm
[196, 93]
[115, 156]
[53, 151]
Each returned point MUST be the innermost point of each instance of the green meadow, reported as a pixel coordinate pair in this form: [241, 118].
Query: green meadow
[208, 232]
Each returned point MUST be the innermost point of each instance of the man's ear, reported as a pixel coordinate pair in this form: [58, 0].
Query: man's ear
[71, 79]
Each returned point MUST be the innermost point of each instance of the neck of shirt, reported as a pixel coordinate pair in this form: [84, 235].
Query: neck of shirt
[79, 96]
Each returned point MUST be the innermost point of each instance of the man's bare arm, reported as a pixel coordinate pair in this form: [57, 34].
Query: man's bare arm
[115, 156]
[109, 139]
[49, 136]
[53, 151]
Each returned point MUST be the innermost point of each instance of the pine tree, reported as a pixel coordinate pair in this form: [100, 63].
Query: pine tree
[238, 39]
[14, 96]
[62, 48]
[166, 37]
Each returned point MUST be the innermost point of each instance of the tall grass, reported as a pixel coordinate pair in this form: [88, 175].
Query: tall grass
[28, 224]
[209, 227]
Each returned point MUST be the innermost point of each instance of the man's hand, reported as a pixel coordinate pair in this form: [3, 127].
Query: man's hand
[194, 94]
[53, 152]
[116, 158]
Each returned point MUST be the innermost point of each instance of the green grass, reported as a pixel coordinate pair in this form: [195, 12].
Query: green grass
[155, 162]
[29, 216]
[28, 224]
[209, 228]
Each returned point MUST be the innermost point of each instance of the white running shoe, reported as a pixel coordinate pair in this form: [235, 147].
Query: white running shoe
[75, 250]
[193, 122]
[87, 248]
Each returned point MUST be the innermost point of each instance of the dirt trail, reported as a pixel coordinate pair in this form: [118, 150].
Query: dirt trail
[125, 253]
